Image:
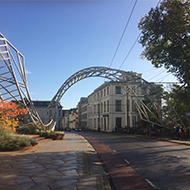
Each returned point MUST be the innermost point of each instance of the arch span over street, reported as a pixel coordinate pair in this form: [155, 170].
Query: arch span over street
[13, 86]
[149, 90]
[104, 72]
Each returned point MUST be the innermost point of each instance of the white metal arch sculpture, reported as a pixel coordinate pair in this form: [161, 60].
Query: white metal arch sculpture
[150, 90]
[108, 73]
[13, 82]
[13, 86]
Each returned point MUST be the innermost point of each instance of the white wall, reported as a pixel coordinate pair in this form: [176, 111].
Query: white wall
[110, 96]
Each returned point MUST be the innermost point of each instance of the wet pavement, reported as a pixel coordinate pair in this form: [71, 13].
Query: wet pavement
[69, 164]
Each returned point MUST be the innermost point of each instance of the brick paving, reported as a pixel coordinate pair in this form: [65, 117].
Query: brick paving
[69, 164]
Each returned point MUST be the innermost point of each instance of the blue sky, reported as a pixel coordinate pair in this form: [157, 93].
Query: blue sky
[59, 38]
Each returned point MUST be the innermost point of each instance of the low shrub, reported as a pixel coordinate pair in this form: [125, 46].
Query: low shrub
[5, 133]
[35, 130]
[9, 140]
[50, 133]
[28, 129]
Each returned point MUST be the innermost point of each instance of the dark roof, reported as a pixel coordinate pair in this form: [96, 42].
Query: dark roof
[43, 103]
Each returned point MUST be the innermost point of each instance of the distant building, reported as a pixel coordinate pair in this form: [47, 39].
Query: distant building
[46, 114]
[65, 119]
[82, 112]
[112, 104]
[70, 118]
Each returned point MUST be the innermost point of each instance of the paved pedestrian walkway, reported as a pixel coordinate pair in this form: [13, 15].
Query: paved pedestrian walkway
[69, 164]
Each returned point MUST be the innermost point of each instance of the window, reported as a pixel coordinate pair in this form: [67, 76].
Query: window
[118, 122]
[101, 123]
[98, 107]
[118, 105]
[104, 123]
[94, 108]
[108, 123]
[133, 106]
[104, 107]
[94, 123]
[118, 89]
[90, 110]
[108, 90]
[108, 106]
[104, 92]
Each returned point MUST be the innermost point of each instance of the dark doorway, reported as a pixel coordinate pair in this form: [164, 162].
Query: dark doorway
[118, 122]
[104, 124]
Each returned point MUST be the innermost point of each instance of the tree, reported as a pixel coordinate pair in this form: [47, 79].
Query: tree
[9, 113]
[179, 97]
[166, 38]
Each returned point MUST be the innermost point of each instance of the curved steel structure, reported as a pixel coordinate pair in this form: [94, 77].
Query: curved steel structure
[13, 86]
[151, 111]
[105, 72]
[13, 82]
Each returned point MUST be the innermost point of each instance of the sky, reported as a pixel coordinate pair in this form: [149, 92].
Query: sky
[58, 38]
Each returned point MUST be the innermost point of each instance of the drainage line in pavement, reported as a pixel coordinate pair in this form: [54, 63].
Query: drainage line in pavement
[151, 184]
[127, 161]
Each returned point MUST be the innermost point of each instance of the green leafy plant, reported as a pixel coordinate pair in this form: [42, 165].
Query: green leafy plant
[49, 134]
[165, 38]
[28, 129]
[9, 140]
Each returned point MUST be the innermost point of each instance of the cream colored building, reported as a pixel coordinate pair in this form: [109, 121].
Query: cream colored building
[65, 119]
[82, 113]
[114, 104]
[46, 114]
[73, 118]
[70, 118]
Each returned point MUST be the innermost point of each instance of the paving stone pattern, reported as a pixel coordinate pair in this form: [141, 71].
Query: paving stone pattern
[69, 164]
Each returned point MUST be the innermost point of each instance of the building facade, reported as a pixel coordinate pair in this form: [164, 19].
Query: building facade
[65, 119]
[114, 105]
[82, 113]
[70, 118]
[46, 114]
[73, 118]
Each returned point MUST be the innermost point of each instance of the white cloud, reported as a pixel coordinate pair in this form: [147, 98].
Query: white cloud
[28, 72]
[33, 93]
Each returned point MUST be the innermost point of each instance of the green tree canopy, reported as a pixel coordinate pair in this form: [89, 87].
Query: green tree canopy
[166, 38]
[180, 99]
